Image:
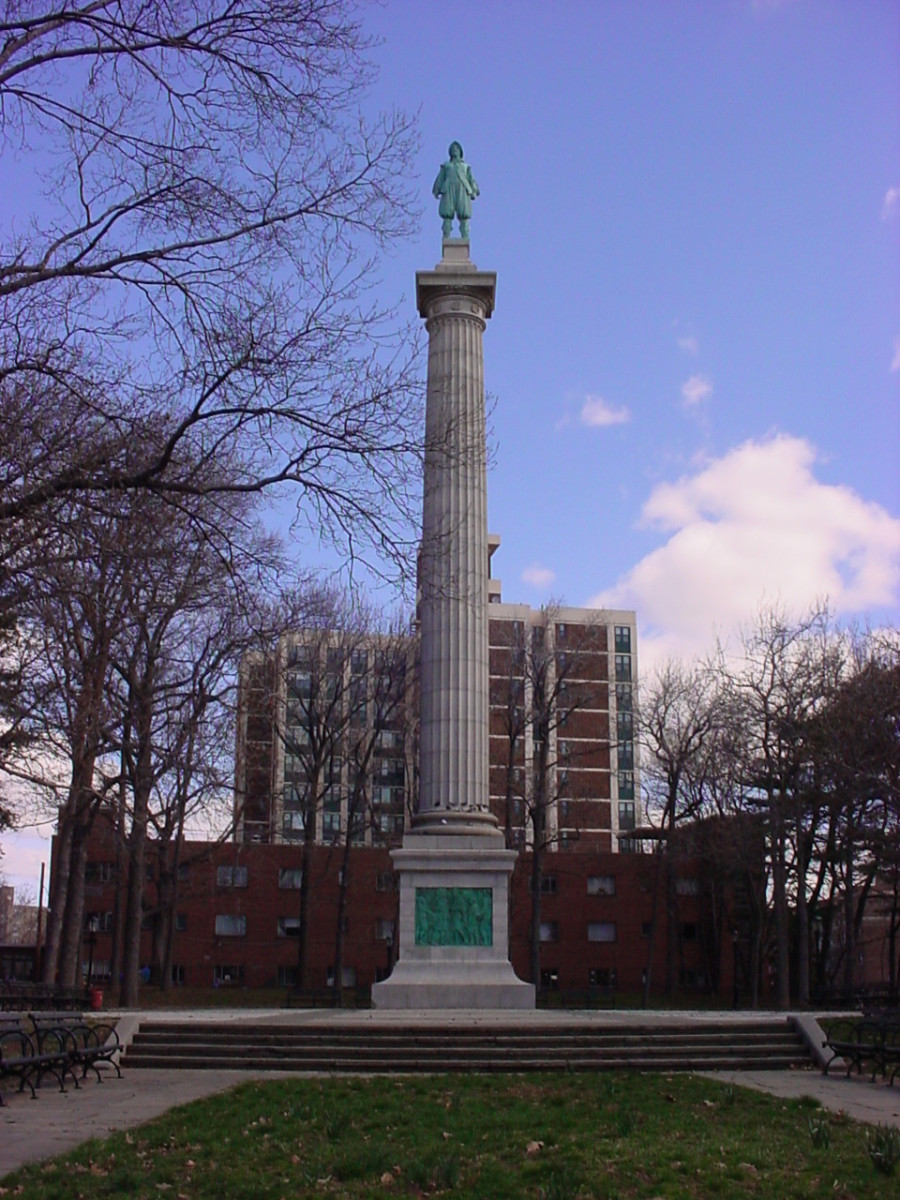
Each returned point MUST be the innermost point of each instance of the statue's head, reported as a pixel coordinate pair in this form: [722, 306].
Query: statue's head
[456, 150]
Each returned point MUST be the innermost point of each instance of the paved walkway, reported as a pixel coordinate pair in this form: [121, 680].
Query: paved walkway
[31, 1131]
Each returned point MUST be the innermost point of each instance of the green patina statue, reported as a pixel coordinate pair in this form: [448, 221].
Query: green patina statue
[457, 189]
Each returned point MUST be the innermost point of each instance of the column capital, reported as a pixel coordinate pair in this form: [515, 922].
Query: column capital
[461, 283]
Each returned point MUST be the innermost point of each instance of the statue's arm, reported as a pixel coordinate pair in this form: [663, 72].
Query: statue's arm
[473, 186]
[439, 183]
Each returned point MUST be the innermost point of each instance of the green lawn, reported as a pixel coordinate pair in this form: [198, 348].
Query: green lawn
[551, 1137]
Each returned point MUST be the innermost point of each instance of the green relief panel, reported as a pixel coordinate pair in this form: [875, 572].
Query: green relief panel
[454, 917]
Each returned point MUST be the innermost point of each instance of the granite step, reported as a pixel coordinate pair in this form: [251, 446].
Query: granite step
[338, 1048]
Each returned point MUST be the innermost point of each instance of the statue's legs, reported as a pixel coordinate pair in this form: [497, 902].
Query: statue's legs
[447, 227]
[463, 227]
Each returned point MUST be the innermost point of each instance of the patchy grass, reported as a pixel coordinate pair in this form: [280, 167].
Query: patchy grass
[475, 1137]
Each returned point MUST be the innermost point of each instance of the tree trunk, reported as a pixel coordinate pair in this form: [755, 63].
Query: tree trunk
[536, 856]
[849, 925]
[654, 920]
[303, 915]
[59, 888]
[116, 966]
[802, 920]
[134, 908]
[167, 980]
[70, 947]
[780, 909]
[338, 989]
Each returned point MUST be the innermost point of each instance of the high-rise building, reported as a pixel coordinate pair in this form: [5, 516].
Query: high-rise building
[327, 732]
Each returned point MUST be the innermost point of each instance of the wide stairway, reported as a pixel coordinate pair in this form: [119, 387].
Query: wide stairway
[674, 1046]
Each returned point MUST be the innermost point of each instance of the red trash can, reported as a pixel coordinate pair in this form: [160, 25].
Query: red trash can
[95, 995]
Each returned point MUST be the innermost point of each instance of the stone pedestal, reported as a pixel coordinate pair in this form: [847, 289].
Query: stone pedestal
[454, 926]
[454, 868]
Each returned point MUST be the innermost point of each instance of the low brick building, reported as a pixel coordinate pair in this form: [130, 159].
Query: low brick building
[237, 916]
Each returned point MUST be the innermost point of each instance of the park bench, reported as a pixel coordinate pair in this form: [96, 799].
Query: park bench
[22, 1058]
[26, 996]
[87, 1043]
[868, 1043]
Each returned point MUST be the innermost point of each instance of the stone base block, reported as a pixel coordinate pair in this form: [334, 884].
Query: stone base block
[453, 947]
[453, 985]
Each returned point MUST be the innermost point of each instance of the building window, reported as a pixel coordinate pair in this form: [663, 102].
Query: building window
[549, 931]
[624, 698]
[229, 925]
[602, 931]
[626, 785]
[623, 639]
[624, 724]
[385, 881]
[384, 930]
[178, 973]
[689, 931]
[550, 978]
[561, 633]
[348, 977]
[602, 977]
[625, 753]
[99, 872]
[231, 877]
[184, 871]
[286, 976]
[224, 975]
[601, 885]
[687, 887]
[292, 826]
[548, 885]
[180, 922]
[99, 922]
[289, 877]
[331, 827]
[623, 668]
[359, 660]
[288, 927]
[626, 815]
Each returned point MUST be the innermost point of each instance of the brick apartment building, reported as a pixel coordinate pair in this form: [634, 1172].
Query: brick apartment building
[236, 918]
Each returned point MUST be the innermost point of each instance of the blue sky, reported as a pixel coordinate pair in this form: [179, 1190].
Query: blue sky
[694, 212]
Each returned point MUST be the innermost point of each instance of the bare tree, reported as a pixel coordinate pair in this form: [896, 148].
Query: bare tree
[213, 205]
[787, 671]
[376, 751]
[76, 610]
[183, 618]
[676, 714]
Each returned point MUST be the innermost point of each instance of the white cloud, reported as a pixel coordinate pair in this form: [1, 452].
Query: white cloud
[752, 527]
[696, 389]
[595, 411]
[538, 576]
[891, 203]
[689, 344]
[895, 364]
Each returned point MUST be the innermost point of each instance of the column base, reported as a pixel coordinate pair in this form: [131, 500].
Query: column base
[453, 929]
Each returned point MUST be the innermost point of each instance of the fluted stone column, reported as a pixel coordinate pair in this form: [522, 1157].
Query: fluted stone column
[456, 299]
[454, 868]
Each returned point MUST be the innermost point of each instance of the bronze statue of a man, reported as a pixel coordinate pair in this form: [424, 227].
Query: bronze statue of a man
[457, 189]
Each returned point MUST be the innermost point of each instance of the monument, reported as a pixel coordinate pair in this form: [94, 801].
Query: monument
[454, 868]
